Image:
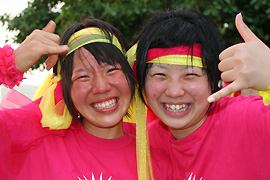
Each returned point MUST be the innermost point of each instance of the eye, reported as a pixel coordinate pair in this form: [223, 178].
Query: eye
[83, 76]
[192, 74]
[113, 69]
[159, 74]
[80, 77]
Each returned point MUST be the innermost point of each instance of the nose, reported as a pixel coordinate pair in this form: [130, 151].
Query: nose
[100, 84]
[175, 88]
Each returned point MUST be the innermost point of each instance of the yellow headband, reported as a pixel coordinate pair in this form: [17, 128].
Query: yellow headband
[88, 36]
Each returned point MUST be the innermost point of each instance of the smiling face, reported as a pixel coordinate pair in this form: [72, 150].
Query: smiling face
[178, 96]
[100, 92]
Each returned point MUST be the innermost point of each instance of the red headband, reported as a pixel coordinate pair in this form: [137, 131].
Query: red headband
[176, 50]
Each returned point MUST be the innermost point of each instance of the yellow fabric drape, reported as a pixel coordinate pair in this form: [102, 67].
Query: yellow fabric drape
[54, 116]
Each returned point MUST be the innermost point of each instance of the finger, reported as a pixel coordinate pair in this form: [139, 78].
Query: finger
[229, 52]
[244, 30]
[42, 37]
[226, 64]
[226, 91]
[51, 61]
[55, 50]
[50, 27]
[229, 76]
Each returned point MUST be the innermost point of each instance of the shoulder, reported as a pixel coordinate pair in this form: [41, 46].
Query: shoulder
[238, 105]
[240, 100]
[129, 128]
[159, 135]
[241, 112]
[19, 116]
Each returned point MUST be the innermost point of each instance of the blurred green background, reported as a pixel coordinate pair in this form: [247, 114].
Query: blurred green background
[129, 15]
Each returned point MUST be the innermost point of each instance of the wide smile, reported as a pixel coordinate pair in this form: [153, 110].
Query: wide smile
[105, 104]
[176, 107]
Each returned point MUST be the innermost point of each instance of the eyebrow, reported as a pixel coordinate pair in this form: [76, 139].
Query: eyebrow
[105, 64]
[80, 70]
[102, 65]
[162, 66]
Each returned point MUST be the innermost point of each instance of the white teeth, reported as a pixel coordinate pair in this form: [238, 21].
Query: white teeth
[106, 104]
[176, 108]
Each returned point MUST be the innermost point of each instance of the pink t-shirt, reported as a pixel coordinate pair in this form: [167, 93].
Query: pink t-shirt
[28, 151]
[233, 143]
[31, 152]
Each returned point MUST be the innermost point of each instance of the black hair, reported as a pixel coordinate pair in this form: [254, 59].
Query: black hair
[180, 27]
[103, 53]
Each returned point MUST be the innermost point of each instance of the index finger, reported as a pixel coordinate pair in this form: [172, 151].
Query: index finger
[226, 91]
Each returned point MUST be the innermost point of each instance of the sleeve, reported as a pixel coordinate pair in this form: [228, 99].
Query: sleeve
[253, 116]
[14, 99]
[20, 128]
[248, 123]
[258, 119]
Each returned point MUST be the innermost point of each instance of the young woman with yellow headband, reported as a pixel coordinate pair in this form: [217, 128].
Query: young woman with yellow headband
[176, 65]
[81, 134]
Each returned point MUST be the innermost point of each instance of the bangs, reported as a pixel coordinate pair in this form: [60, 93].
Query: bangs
[105, 53]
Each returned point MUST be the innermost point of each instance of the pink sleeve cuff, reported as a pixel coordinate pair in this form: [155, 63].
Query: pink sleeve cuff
[9, 74]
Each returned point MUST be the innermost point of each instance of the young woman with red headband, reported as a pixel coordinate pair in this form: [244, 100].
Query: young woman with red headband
[81, 134]
[177, 65]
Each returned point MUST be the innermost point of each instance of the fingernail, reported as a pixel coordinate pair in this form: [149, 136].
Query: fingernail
[65, 47]
[240, 14]
[211, 99]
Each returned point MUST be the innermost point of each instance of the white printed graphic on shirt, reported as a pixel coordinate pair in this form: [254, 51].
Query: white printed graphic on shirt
[93, 177]
[194, 177]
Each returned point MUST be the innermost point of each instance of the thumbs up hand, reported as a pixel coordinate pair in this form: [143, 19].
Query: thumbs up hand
[245, 65]
[39, 43]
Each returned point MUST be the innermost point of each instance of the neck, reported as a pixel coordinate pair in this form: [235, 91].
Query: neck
[104, 132]
[181, 133]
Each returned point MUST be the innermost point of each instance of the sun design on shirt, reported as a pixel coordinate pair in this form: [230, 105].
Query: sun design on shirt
[93, 177]
[194, 177]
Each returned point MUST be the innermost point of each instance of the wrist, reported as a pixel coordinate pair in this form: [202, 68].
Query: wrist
[9, 74]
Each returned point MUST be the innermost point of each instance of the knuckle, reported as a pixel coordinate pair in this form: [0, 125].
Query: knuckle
[36, 31]
[57, 37]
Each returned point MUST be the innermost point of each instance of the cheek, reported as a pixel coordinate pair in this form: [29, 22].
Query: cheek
[79, 91]
[153, 90]
[118, 79]
[120, 82]
[200, 89]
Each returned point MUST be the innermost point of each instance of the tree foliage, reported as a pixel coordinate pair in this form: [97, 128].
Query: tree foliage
[129, 15]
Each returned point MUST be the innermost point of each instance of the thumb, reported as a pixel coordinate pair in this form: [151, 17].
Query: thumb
[243, 29]
[50, 27]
